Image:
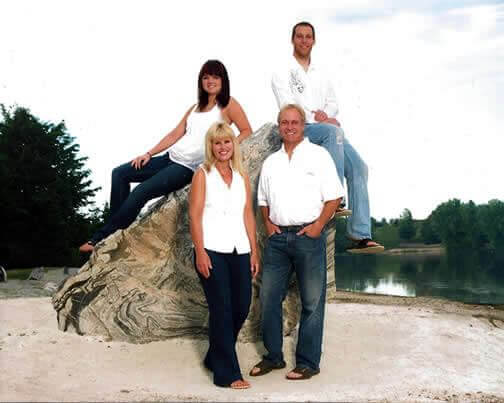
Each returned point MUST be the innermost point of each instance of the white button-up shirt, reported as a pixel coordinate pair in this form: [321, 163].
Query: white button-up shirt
[295, 190]
[311, 89]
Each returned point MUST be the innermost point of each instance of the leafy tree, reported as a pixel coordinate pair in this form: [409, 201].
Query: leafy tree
[407, 229]
[44, 189]
[428, 232]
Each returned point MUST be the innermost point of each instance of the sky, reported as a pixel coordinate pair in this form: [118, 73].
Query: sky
[420, 84]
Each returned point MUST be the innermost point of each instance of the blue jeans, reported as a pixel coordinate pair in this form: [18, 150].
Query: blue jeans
[228, 292]
[350, 165]
[284, 254]
[159, 177]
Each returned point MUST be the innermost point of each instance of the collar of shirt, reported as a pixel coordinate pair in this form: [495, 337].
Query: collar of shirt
[302, 144]
[294, 63]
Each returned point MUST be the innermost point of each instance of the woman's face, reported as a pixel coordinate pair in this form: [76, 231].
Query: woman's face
[222, 149]
[211, 84]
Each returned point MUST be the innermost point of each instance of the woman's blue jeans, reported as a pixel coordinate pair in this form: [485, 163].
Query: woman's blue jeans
[284, 254]
[228, 292]
[350, 165]
[159, 177]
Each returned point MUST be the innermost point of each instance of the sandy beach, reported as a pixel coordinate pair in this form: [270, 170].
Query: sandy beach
[375, 349]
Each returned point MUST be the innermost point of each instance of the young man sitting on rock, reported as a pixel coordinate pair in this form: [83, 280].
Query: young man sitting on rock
[304, 83]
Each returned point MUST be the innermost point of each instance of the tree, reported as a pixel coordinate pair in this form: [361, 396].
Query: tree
[44, 189]
[407, 228]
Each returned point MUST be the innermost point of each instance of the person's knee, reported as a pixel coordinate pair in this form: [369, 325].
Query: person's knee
[118, 173]
[269, 295]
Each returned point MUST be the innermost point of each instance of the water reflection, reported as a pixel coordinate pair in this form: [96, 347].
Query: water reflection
[467, 277]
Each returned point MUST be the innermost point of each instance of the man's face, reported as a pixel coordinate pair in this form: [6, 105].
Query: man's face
[303, 41]
[291, 127]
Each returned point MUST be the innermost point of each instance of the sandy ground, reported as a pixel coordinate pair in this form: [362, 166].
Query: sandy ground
[375, 349]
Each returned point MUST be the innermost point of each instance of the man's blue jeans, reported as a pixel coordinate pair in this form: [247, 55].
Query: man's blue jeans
[159, 177]
[284, 254]
[350, 165]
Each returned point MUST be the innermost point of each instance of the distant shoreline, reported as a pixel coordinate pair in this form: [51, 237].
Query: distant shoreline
[435, 250]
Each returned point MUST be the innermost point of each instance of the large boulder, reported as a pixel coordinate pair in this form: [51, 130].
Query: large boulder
[140, 284]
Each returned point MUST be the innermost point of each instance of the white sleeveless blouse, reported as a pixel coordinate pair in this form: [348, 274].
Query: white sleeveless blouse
[189, 150]
[223, 214]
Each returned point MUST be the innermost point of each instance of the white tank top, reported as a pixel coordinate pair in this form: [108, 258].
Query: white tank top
[189, 150]
[223, 214]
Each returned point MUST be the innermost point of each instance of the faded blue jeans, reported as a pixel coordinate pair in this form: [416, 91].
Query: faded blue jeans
[350, 165]
[159, 177]
[284, 254]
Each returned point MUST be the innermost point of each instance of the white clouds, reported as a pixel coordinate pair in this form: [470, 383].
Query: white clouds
[419, 87]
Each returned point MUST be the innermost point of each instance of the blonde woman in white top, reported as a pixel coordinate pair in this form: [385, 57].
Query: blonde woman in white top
[224, 235]
[161, 175]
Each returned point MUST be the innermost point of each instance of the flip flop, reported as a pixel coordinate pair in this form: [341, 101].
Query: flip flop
[362, 246]
[265, 367]
[306, 373]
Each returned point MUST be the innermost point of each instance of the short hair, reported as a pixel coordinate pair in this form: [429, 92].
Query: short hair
[214, 68]
[219, 131]
[302, 24]
[292, 106]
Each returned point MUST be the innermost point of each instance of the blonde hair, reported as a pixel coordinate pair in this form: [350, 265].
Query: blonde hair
[220, 131]
[292, 106]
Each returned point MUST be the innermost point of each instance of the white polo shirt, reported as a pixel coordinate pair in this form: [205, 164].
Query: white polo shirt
[295, 190]
[311, 89]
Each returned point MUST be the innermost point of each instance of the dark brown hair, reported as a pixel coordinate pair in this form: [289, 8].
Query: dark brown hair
[214, 68]
[302, 24]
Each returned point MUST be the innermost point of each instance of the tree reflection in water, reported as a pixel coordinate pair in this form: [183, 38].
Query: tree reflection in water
[467, 276]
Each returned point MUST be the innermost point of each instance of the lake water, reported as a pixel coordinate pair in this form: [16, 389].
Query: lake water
[465, 277]
[470, 278]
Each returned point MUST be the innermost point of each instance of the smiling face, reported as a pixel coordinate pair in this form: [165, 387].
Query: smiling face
[303, 41]
[291, 127]
[211, 83]
[222, 149]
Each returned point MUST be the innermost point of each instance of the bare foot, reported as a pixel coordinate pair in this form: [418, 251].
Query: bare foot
[240, 384]
[294, 375]
[86, 248]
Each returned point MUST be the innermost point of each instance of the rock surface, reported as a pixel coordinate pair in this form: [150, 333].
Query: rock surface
[140, 284]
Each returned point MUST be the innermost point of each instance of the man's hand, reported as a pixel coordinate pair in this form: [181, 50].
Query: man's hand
[313, 230]
[141, 161]
[203, 263]
[332, 121]
[320, 116]
[254, 264]
[272, 229]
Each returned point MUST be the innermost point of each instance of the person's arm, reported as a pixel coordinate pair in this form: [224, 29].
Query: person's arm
[196, 206]
[331, 192]
[313, 230]
[281, 90]
[237, 115]
[330, 109]
[167, 141]
[270, 227]
[250, 227]
[331, 102]
[262, 201]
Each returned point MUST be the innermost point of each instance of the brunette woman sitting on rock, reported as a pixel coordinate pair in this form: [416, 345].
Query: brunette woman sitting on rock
[161, 175]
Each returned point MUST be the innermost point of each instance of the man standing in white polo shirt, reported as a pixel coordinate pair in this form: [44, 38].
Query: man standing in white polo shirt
[298, 194]
[306, 84]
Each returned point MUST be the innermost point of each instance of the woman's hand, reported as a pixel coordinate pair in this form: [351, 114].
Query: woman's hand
[141, 161]
[203, 263]
[254, 264]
